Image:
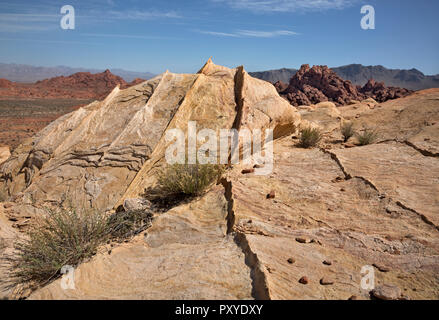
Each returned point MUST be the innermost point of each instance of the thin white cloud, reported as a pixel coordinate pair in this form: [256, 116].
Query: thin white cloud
[20, 22]
[48, 41]
[220, 34]
[127, 36]
[47, 17]
[251, 33]
[142, 15]
[262, 6]
[267, 34]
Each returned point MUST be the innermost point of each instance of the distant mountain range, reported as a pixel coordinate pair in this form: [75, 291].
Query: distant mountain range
[28, 73]
[358, 74]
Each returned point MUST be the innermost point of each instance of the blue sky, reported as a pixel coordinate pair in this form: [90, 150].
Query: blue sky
[180, 35]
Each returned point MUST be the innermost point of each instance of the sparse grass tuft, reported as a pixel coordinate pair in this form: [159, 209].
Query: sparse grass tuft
[60, 238]
[2, 244]
[3, 195]
[124, 225]
[309, 137]
[66, 237]
[347, 130]
[188, 179]
[368, 136]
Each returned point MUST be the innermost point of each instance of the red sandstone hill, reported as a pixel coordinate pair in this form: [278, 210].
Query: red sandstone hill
[319, 83]
[5, 83]
[81, 85]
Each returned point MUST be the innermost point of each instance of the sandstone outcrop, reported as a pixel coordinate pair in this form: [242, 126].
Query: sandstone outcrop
[4, 154]
[335, 210]
[319, 83]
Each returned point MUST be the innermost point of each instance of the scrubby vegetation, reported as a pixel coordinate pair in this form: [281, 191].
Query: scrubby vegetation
[67, 237]
[62, 237]
[187, 179]
[3, 195]
[368, 136]
[309, 137]
[2, 244]
[347, 130]
[124, 225]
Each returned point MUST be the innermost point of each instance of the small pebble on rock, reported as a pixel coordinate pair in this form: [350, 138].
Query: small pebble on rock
[291, 260]
[271, 195]
[304, 280]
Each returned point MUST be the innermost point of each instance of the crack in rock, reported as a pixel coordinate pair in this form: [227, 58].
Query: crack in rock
[260, 290]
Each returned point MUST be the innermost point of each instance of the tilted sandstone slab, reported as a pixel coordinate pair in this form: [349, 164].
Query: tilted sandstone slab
[400, 172]
[222, 98]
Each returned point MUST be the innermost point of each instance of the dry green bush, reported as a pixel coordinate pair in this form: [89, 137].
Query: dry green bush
[124, 225]
[188, 179]
[368, 136]
[3, 195]
[309, 137]
[66, 237]
[347, 130]
[61, 237]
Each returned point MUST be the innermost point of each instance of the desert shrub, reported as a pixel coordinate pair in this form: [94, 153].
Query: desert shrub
[61, 237]
[126, 224]
[66, 237]
[187, 179]
[368, 136]
[309, 137]
[3, 195]
[347, 130]
[2, 244]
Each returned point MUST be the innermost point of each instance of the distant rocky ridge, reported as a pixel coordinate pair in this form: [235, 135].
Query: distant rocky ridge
[81, 85]
[29, 74]
[319, 83]
[358, 74]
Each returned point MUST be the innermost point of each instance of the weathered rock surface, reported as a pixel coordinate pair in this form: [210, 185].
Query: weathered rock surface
[4, 154]
[349, 207]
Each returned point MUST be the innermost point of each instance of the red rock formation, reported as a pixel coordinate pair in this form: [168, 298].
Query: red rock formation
[4, 83]
[319, 83]
[81, 85]
[381, 93]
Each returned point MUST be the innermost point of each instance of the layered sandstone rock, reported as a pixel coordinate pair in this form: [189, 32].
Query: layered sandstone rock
[4, 154]
[93, 155]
